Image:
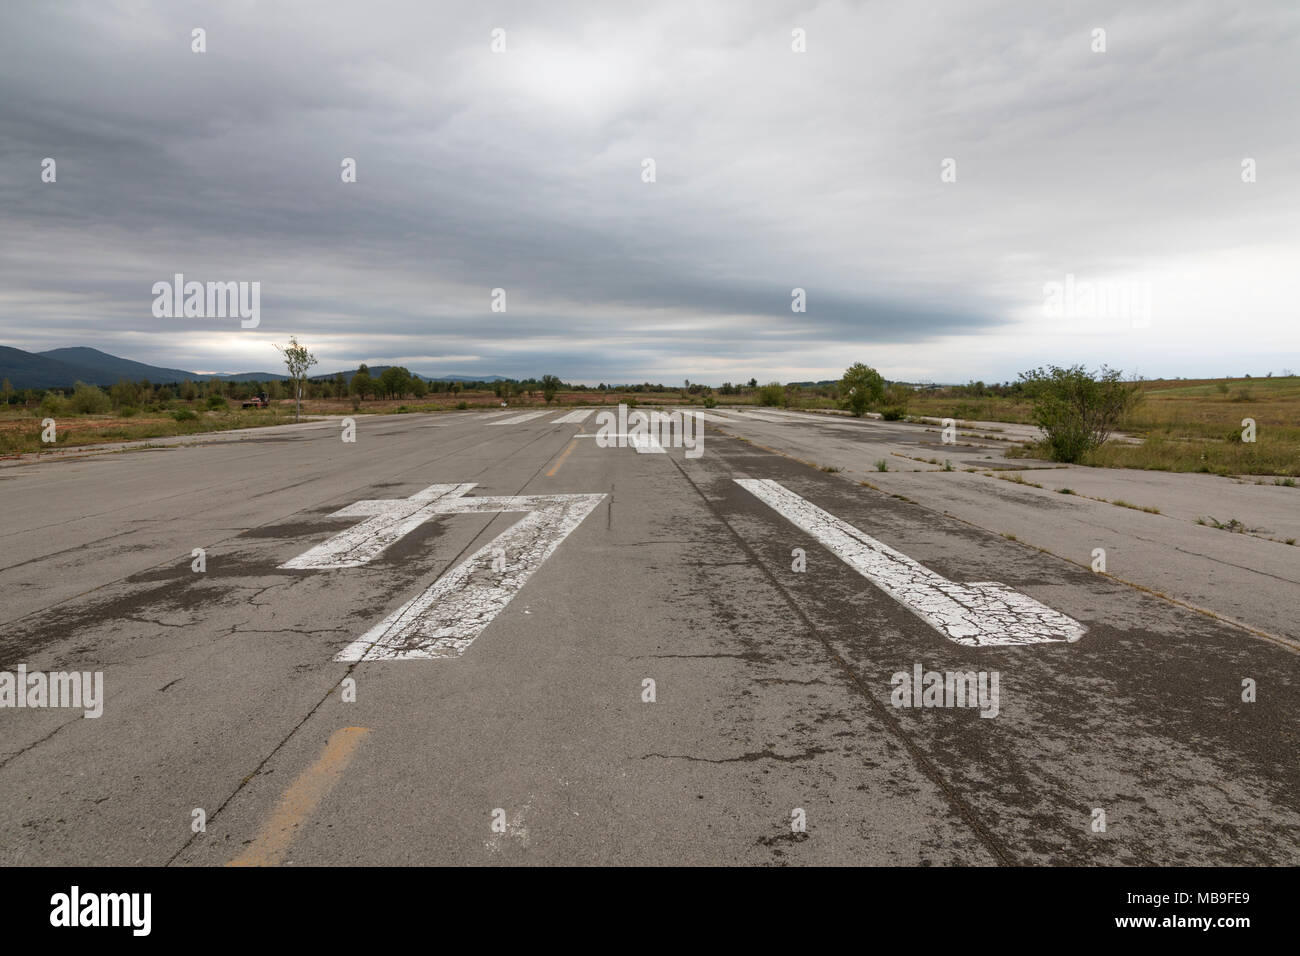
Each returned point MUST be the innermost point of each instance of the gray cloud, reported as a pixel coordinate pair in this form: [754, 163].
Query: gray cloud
[521, 170]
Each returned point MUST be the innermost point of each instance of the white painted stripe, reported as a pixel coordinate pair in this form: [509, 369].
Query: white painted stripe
[763, 416]
[646, 444]
[577, 415]
[386, 522]
[447, 617]
[515, 420]
[979, 614]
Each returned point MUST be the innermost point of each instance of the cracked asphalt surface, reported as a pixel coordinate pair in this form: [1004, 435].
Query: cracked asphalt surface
[772, 687]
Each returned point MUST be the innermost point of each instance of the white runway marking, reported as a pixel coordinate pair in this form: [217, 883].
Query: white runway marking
[643, 443]
[516, 419]
[978, 614]
[387, 520]
[445, 619]
[763, 416]
[646, 444]
[577, 415]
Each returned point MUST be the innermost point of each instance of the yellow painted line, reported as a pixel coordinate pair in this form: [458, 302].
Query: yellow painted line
[572, 445]
[301, 799]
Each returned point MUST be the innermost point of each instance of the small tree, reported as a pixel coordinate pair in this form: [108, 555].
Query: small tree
[362, 384]
[1077, 410]
[550, 385]
[861, 387]
[297, 360]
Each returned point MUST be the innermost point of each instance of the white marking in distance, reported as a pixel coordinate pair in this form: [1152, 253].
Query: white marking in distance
[577, 415]
[977, 615]
[516, 419]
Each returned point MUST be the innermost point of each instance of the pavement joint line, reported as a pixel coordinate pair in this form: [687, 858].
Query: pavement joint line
[963, 809]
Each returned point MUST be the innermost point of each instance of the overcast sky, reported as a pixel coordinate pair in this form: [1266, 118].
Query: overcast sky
[775, 170]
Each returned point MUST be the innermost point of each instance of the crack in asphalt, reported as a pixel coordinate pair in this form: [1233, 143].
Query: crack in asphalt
[964, 810]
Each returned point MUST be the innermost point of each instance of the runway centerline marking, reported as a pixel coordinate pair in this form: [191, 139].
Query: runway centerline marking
[556, 467]
[447, 617]
[301, 799]
[978, 614]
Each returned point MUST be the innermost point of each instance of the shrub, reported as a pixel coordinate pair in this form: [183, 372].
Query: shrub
[893, 413]
[771, 394]
[1075, 409]
[861, 387]
[710, 401]
[462, 404]
[216, 402]
[184, 415]
[89, 400]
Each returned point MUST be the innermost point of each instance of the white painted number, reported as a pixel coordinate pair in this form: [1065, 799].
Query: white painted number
[445, 619]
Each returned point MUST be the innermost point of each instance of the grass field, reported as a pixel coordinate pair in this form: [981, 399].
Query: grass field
[1186, 425]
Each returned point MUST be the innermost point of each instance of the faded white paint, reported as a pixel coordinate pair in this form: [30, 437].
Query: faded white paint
[978, 614]
[387, 520]
[643, 443]
[577, 415]
[445, 618]
[516, 419]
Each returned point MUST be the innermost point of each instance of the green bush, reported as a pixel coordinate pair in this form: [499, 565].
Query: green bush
[772, 394]
[53, 405]
[462, 405]
[216, 402]
[893, 413]
[1076, 409]
[861, 386]
[184, 415]
[90, 400]
[128, 411]
[710, 401]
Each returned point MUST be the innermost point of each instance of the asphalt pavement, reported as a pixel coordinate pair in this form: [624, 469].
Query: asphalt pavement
[486, 638]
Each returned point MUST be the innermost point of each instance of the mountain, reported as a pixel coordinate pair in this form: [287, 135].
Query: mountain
[109, 368]
[29, 370]
[250, 377]
[63, 368]
[378, 370]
